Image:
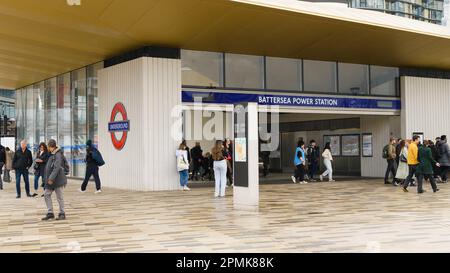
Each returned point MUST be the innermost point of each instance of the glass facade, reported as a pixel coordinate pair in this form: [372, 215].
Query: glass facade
[202, 68]
[319, 76]
[353, 79]
[272, 74]
[283, 74]
[384, 81]
[244, 71]
[64, 108]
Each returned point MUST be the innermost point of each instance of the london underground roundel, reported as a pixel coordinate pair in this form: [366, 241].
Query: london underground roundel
[119, 125]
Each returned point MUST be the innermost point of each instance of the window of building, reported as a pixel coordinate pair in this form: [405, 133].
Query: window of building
[384, 80]
[319, 76]
[92, 101]
[283, 74]
[199, 68]
[244, 71]
[30, 116]
[39, 111]
[51, 117]
[353, 79]
[64, 108]
[79, 129]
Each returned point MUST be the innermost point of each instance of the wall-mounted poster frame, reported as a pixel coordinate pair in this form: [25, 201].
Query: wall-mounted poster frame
[350, 145]
[420, 134]
[367, 145]
[335, 141]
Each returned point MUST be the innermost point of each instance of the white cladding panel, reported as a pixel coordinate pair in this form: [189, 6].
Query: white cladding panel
[425, 107]
[149, 88]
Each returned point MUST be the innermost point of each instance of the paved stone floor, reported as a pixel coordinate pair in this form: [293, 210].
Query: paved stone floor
[356, 216]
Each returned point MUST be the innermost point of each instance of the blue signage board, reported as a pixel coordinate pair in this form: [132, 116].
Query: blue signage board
[287, 100]
[119, 126]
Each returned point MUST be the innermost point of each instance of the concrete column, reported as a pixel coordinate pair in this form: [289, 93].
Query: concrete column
[247, 197]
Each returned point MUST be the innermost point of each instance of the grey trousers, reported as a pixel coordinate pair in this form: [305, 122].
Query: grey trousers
[59, 197]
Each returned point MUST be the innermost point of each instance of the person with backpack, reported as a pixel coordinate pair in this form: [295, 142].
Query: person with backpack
[412, 160]
[2, 163]
[444, 158]
[313, 157]
[93, 161]
[39, 166]
[425, 167]
[299, 162]
[183, 166]
[55, 180]
[389, 154]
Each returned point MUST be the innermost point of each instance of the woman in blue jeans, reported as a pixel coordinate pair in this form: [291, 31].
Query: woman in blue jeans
[39, 166]
[183, 166]
[220, 168]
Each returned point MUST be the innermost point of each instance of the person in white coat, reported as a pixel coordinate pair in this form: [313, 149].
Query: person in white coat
[403, 169]
[327, 160]
[183, 166]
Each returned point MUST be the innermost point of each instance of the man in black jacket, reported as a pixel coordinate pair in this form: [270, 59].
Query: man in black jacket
[2, 163]
[91, 169]
[197, 158]
[22, 161]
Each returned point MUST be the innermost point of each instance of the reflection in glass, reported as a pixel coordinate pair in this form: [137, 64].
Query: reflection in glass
[64, 107]
[384, 80]
[283, 74]
[244, 71]
[199, 68]
[353, 79]
[79, 132]
[319, 76]
[50, 111]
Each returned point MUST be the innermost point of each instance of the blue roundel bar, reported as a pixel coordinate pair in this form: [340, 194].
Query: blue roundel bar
[119, 126]
[294, 101]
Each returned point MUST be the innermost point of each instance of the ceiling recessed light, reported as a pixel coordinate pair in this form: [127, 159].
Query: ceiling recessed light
[73, 2]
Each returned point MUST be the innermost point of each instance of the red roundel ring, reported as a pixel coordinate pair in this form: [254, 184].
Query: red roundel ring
[119, 143]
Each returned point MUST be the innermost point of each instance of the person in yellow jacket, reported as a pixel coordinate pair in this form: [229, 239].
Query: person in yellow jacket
[412, 160]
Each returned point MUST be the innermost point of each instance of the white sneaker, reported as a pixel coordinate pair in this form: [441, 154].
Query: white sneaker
[186, 188]
[80, 190]
[294, 179]
[321, 178]
[331, 180]
[97, 192]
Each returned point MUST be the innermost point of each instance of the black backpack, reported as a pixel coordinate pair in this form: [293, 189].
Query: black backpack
[386, 152]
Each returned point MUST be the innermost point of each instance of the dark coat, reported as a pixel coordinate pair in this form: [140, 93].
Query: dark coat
[196, 153]
[426, 161]
[90, 162]
[41, 166]
[54, 170]
[444, 151]
[2, 155]
[22, 160]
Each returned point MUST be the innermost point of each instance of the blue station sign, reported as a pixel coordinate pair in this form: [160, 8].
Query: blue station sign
[294, 101]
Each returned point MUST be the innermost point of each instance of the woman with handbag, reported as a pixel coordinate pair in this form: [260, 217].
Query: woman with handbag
[183, 166]
[39, 166]
[403, 169]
